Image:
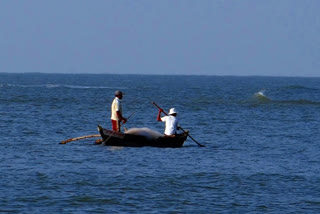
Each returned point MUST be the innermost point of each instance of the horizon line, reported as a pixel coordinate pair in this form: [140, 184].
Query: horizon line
[137, 74]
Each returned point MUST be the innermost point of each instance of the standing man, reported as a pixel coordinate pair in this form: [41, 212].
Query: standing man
[171, 121]
[116, 111]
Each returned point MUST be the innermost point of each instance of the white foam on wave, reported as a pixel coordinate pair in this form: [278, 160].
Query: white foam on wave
[261, 92]
[86, 87]
[146, 132]
[261, 96]
[49, 85]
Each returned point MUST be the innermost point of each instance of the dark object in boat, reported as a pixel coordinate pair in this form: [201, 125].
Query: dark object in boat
[112, 138]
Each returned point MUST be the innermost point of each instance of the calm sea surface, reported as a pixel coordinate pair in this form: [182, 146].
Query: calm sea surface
[261, 156]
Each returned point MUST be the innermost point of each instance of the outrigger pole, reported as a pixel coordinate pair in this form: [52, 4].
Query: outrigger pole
[79, 138]
[88, 136]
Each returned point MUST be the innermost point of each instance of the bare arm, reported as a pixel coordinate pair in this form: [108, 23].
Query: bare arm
[159, 115]
[121, 118]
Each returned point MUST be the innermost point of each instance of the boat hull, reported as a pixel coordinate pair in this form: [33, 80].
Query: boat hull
[112, 138]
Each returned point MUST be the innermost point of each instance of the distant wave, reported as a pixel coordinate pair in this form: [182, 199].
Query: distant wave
[50, 86]
[85, 87]
[55, 86]
[300, 102]
[260, 96]
[300, 87]
[6, 85]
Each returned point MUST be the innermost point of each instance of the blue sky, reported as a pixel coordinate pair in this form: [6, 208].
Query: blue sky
[205, 37]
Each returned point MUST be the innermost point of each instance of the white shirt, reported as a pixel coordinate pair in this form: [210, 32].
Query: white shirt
[171, 124]
[115, 106]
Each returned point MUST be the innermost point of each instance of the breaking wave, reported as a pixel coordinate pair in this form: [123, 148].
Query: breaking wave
[260, 96]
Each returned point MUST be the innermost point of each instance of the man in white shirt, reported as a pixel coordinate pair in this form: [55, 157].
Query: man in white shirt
[116, 111]
[171, 121]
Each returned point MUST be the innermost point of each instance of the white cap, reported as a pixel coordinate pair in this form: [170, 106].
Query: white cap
[172, 111]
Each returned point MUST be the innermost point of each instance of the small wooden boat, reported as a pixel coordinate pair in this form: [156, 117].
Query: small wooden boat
[112, 138]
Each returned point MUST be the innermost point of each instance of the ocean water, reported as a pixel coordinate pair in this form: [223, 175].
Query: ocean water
[261, 137]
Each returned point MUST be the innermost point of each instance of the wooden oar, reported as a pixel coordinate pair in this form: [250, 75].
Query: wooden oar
[79, 138]
[179, 126]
